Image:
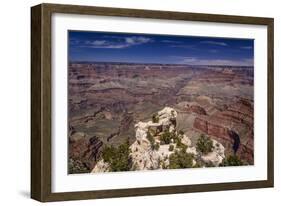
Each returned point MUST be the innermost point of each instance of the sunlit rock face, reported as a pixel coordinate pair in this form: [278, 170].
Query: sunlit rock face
[144, 158]
[101, 166]
[165, 121]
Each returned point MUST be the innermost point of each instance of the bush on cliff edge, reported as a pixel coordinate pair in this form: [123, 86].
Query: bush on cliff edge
[204, 144]
[118, 158]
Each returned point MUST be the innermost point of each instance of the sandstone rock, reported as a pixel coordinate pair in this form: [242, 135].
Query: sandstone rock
[186, 140]
[141, 130]
[144, 158]
[192, 150]
[101, 166]
[166, 116]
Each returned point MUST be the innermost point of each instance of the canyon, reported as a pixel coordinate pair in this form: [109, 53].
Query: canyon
[110, 103]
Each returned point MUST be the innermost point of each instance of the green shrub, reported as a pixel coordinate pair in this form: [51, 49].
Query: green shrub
[209, 164]
[177, 139]
[154, 146]
[150, 137]
[232, 160]
[164, 166]
[171, 148]
[167, 136]
[157, 146]
[182, 146]
[155, 118]
[181, 132]
[179, 144]
[180, 159]
[198, 164]
[204, 144]
[118, 158]
[162, 142]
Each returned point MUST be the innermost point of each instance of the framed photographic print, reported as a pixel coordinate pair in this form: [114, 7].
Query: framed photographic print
[132, 102]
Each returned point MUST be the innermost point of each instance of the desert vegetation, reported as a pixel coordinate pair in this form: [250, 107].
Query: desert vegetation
[181, 159]
[118, 158]
[204, 144]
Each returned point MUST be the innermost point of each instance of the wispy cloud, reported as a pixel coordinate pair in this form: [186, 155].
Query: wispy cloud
[198, 61]
[246, 47]
[114, 43]
[192, 46]
[171, 41]
[137, 40]
[96, 42]
[217, 43]
[74, 41]
[213, 50]
[184, 46]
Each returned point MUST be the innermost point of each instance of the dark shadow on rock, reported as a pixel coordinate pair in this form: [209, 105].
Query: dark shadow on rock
[236, 140]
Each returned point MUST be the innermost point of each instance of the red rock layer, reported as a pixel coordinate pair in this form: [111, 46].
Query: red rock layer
[87, 150]
[237, 117]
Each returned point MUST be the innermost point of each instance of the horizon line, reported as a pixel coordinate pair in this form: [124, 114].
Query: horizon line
[155, 63]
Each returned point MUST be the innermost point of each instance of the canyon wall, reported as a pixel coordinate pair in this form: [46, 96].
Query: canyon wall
[236, 120]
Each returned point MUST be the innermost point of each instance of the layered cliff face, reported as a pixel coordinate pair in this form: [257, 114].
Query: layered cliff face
[84, 152]
[145, 155]
[233, 127]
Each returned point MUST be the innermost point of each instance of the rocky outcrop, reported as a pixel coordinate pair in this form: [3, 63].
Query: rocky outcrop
[145, 156]
[166, 120]
[196, 109]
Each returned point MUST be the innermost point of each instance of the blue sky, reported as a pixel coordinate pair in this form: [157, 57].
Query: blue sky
[164, 49]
